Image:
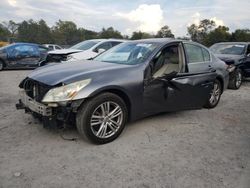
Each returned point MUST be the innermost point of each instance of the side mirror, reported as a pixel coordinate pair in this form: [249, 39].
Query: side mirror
[248, 55]
[100, 50]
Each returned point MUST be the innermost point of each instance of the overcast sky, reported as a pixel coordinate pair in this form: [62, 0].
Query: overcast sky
[130, 15]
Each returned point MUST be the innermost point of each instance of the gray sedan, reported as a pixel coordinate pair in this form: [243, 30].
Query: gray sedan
[132, 80]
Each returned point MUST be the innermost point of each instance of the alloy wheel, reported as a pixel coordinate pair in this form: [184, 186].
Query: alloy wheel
[238, 80]
[106, 119]
[215, 94]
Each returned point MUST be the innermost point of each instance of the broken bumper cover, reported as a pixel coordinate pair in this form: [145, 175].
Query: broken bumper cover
[27, 102]
[51, 116]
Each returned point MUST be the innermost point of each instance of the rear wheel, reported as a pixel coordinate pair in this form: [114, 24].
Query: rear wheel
[214, 95]
[102, 118]
[235, 79]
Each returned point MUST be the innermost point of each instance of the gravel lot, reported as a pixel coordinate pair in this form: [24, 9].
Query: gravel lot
[198, 148]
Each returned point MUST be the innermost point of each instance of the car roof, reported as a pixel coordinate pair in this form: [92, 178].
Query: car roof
[52, 44]
[103, 40]
[161, 40]
[232, 43]
[22, 43]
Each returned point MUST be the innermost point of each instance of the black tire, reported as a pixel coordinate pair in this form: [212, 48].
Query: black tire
[90, 107]
[1, 65]
[235, 79]
[211, 103]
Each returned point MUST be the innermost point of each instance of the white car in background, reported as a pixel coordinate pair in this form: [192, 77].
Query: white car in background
[84, 50]
[52, 47]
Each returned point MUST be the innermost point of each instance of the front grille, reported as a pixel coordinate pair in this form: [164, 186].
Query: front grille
[34, 89]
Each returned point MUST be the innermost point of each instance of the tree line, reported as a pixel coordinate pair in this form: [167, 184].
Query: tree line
[67, 33]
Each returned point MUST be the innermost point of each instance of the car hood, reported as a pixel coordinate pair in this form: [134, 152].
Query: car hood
[84, 55]
[73, 71]
[64, 51]
[229, 59]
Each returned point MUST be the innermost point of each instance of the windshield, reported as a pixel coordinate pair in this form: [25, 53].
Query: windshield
[85, 45]
[232, 49]
[128, 53]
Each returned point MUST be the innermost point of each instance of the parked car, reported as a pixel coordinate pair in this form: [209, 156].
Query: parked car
[130, 81]
[52, 47]
[237, 56]
[84, 50]
[22, 55]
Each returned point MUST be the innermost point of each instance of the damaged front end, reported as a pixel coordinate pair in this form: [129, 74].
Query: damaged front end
[52, 114]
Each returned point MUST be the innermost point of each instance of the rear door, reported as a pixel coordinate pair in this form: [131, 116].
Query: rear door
[198, 58]
[247, 63]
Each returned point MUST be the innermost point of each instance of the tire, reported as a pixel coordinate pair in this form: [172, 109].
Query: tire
[235, 80]
[106, 126]
[215, 95]
[1, 65]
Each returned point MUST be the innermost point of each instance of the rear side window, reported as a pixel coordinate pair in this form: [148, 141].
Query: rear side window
[51, 47]
[196, 54]
[206, 54]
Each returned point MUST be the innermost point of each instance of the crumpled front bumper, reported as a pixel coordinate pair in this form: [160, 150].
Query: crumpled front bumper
[50, 116]
[26, 102]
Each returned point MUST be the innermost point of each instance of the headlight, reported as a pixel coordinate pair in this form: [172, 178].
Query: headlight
[66, 92]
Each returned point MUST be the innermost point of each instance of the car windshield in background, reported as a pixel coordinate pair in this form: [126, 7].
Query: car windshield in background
[232, 49]
[128, 53]
[85, 45]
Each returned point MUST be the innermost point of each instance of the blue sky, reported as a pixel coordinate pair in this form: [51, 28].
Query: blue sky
[130, 15]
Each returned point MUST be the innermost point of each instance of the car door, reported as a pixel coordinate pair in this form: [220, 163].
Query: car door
[16, 55]
[198, 58]
[168, 86]
[43, 52]
[23, 55]
[246, 68]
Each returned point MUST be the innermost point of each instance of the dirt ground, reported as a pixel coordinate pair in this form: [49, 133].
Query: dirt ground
[188, 149]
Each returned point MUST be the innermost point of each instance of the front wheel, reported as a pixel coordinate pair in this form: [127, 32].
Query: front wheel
[102, 118]
[214, 95]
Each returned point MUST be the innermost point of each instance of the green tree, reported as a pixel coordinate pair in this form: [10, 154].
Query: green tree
[66, 33]
[241, 35]
[43, 35]
[4, 33]
[27, 31]
[110, 33]
[87, 34]
[198, 33]
[12, 27]
[165, 32]
[220, 34]
[140, 35]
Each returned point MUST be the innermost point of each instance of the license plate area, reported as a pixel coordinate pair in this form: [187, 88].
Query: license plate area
[35, 106]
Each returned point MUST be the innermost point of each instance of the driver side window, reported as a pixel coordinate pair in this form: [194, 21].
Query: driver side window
[168, 60]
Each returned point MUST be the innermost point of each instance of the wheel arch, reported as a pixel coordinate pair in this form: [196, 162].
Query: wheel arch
[117, 91]
[221, 81]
